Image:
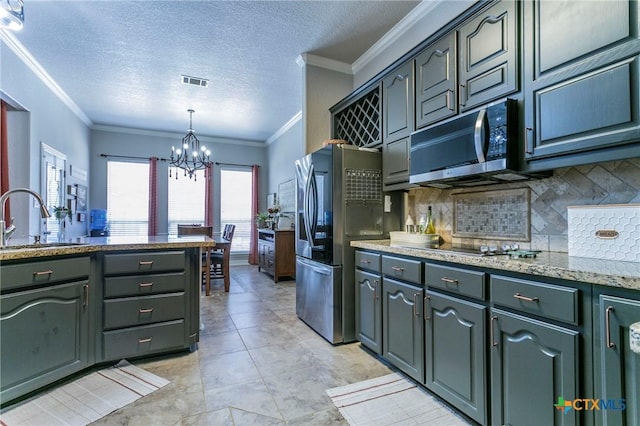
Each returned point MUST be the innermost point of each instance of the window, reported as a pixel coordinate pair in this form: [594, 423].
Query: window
[235, 205]
[186, 201]
[53, 167]
[127, 198]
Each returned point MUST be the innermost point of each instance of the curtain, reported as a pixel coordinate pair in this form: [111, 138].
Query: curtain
[4, 159]
[253, 243]
[153, 196]
[208, 196]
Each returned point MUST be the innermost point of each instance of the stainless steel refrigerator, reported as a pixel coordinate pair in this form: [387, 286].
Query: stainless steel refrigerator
[338, 199]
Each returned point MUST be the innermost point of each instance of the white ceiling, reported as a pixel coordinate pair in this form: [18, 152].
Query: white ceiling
[121, 61]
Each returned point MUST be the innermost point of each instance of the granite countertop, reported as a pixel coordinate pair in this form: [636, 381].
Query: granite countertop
[546, 264]
[82, 245]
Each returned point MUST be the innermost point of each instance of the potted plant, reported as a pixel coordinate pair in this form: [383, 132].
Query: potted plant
[261, 219]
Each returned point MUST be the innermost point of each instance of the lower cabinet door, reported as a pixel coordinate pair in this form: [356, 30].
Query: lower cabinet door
[617, 366]
[43, 336]
[455, 361]
[403, 327]
[369, 310]
[534, 366]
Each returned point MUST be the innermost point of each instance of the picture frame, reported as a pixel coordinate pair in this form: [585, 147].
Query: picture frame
[271, 199]
[81, 198]
[287, 194]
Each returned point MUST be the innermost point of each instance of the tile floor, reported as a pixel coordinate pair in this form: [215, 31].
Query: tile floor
[256, 364]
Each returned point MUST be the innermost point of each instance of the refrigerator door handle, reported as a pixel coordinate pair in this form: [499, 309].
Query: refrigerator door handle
[314, 198]
[307, 201]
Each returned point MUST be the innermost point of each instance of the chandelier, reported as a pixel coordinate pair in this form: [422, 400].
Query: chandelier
[190, 157]
[12, 14]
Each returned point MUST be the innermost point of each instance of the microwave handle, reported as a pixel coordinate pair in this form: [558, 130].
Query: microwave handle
[478, 135]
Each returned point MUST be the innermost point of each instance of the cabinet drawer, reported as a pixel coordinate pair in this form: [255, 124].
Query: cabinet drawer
[132, 311]
[456, 280]
[144, 262]
[43, 272]
[403, 269]
[369, 261]
[144, 340]
[142, 285]
[546, 300]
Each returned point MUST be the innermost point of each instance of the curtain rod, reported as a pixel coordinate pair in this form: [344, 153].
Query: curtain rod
[232, 164]
[131, 157]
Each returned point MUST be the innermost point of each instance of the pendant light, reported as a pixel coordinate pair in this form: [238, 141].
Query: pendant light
[190, 156]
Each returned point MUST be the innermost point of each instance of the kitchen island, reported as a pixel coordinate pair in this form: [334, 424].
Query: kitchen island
[67, 306]
[500, 338]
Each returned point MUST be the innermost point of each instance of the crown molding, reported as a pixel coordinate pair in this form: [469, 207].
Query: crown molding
[174, 135]
[322, 62]
[25, 56]
[423, 9]
[282, 130]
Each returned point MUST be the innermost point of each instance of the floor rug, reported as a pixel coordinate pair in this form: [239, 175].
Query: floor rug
[391, 400]
[85, 399]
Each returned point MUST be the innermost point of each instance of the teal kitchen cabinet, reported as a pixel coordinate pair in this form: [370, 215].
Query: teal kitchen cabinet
[436, 81]
[455, 343]
[369, 300]
[489, 60]
[402, 322]
[581, 81]
[397, 125]
[616, 365]
[44, 323]
[533, 361]
[147, 303]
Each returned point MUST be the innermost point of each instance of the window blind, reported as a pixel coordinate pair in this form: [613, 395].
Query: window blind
[127, 198]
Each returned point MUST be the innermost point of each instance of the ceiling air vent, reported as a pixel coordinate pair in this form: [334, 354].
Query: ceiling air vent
[195, 81]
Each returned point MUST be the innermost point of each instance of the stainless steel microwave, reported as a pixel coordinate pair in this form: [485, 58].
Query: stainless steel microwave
[473, 149]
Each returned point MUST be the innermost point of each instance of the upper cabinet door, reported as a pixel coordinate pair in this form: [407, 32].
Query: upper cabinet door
[489, 55]
[581, 80]
[397, 101]
[436, 81]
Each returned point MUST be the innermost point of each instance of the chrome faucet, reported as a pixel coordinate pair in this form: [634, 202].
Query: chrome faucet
[7, 231]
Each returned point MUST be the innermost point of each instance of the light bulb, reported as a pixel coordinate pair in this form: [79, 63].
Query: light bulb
[208, 153]
[178, 151]
[185, 146]
[203, 148]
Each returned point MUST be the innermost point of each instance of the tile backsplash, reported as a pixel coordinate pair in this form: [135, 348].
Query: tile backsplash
[615, 182]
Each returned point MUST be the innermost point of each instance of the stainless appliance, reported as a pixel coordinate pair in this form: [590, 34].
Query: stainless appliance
[478, 148]
[338, 199]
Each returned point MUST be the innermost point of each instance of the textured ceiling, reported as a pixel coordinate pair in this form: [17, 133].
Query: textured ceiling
[121, 61]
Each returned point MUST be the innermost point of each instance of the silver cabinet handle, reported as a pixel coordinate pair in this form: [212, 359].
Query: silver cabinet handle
[147, 340]
[493, 342]
[426, 308]
[40, 273]
[85, 302]
[607, 326]
[528, 140]
[375, 290]
[449, 100]
[145, 262]
[415, 303]
[526, 298]
[146, 284]
[478, 135]
[463, 100]
[449, 280]
[397, 268]
[145, 311]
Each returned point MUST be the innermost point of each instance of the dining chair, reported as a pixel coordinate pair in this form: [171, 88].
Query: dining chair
[195, 229]
[220, 258]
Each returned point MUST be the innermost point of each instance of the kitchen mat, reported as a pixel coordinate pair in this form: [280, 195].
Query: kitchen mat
[391, 400]
[85, 399]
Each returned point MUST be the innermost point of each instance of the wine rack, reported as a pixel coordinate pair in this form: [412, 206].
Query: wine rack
[359, 123]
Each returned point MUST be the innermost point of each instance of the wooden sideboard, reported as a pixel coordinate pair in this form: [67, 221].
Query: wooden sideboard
[276, 253]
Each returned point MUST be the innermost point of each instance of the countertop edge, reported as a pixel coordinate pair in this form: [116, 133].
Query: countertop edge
[87, 246]
[547, 264]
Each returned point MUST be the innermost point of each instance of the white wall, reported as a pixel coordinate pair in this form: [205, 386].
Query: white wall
[322, 89]
[282, 154]
[45, 118]
[147, 144]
